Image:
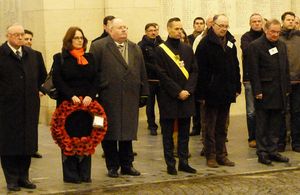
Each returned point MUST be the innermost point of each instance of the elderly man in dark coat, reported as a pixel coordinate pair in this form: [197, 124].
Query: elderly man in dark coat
[270, 81]
[218, 86]
[178, 73]
[123, 87]
[21, 76]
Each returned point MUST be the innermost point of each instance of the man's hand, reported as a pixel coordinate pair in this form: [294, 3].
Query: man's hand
[184, 94]
[41, 94]
[236, 95]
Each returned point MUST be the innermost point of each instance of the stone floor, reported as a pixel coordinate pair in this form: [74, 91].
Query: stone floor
[46, 172]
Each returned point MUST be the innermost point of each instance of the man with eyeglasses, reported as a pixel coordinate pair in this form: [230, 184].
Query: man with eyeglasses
[20, 82]
[123, 89]
[218, 86]
[148, 45]
[270, 81]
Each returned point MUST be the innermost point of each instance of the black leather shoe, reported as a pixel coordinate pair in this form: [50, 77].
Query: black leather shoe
[37, 155]
[73, 181]
[26, 184]
[194, 132]
[113, 173]
[130, 171]
[296, 149]
[278, 158]
[153, 132]
[186, 168]
[13, 187]
[281, 148]
[171, 171]
[264, 160]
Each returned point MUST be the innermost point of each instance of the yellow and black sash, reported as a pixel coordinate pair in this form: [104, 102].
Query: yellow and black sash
[176, 59]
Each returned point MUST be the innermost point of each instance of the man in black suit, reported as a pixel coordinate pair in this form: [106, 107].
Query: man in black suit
[21, 76]
[106, 23]
[177, 72]
[270, 81]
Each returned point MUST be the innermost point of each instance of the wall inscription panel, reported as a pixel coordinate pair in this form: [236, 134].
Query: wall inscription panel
[238, 11]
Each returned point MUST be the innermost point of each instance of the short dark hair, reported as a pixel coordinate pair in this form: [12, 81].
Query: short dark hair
[287, 13]
[28, 32]
[255, 14]
[176, 19]
[272, 21]
[107, 18]
[67, 40]
[199, 18]
[150, 24]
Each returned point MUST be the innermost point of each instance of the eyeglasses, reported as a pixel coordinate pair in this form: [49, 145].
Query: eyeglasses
[222, 26]
[151, 30]
[122, 28]
[78, 38]
[17, 35]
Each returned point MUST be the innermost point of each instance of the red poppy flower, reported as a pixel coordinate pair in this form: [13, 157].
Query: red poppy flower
[80, 146]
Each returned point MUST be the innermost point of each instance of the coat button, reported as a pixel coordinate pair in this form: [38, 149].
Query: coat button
[21, 77]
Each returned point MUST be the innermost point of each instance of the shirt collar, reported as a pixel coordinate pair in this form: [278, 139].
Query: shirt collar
[14, 49]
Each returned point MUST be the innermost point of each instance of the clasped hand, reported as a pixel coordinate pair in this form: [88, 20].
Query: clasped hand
[86, 101]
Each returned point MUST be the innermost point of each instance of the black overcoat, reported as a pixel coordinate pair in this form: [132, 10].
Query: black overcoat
[269, 74]
[121, 87]
[219, 72]
[173, 81]
[20, 82]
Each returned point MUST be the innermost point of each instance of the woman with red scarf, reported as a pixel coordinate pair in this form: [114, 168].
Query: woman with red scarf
[75, 75]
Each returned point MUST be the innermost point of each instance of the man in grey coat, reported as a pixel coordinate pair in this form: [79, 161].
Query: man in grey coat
[123, 89]
[21, 77]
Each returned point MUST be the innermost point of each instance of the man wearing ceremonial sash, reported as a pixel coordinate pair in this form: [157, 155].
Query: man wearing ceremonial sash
[177, 72]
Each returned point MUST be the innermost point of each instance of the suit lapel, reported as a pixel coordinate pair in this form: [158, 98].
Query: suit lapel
[115, 51]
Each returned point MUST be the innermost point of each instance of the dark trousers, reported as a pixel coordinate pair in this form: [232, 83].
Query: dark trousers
[15, 168]
[295, 115]
[268, 123]
[197, 117]
[150, 111]
[167, 126]
[76, 168]
[215, 130]
[118, 154]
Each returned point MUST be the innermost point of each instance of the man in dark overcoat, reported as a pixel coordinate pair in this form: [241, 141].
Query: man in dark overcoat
[21, 77]
[123, 86]
[270, 81]
[218, 86]
[177, 72]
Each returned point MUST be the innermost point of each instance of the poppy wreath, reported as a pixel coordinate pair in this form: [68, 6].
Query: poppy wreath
[80, 146]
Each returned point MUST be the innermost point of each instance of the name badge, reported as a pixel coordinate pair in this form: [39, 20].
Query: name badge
[273, 51]
[229, 44]
[181, 63]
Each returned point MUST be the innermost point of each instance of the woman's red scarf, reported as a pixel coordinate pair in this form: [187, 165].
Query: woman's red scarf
[78, 54]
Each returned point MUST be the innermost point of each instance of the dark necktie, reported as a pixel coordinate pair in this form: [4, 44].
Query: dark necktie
[18, 55]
